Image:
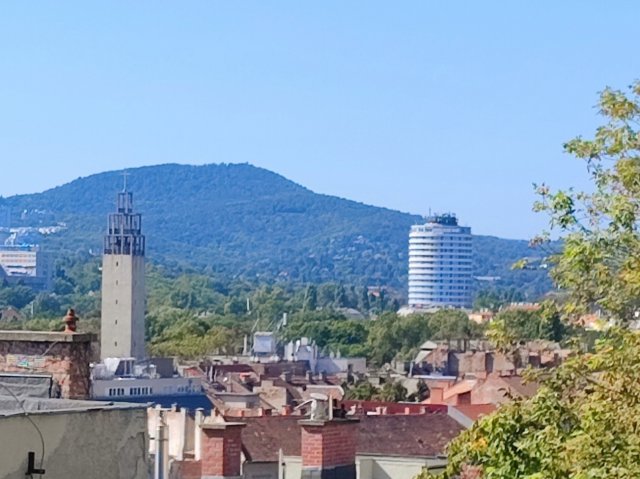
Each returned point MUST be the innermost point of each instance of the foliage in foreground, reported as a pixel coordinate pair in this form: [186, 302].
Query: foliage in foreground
[599, 265]
[584, 422]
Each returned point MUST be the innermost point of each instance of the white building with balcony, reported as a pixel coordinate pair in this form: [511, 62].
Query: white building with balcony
[440, 264]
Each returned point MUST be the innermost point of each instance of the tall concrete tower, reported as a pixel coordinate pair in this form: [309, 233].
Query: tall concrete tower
[123, 290]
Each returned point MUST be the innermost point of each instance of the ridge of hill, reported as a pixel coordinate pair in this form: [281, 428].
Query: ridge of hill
[243, 221]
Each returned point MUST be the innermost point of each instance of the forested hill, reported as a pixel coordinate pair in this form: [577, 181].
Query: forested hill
[241, 220]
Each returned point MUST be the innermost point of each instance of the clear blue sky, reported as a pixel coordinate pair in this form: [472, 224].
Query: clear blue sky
[455, 106]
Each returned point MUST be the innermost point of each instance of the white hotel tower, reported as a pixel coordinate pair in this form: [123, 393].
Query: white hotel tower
[440, 264]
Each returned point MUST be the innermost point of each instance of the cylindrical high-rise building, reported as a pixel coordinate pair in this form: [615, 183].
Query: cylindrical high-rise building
[440, 264]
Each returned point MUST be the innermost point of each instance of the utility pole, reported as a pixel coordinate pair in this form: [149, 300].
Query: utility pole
[161, 448]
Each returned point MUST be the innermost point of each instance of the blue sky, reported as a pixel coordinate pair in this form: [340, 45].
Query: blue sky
[453, 106]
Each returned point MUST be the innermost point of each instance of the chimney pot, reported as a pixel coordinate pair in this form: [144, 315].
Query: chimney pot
[70, 321]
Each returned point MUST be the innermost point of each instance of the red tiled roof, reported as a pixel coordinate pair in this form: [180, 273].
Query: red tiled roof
[263, 437]
[232, 368]
[422, 435]
[412, 435]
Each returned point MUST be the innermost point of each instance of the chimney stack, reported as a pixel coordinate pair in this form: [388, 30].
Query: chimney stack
[221, 450]
[436, 395]
[328, 448]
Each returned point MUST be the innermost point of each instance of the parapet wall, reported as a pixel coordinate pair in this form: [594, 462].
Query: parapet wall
[65, 356]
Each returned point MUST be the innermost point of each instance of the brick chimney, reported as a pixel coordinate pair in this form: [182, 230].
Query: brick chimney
[221, 450]
[329, 448]
[436, 395]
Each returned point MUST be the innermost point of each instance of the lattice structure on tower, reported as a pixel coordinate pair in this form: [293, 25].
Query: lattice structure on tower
[124, 230]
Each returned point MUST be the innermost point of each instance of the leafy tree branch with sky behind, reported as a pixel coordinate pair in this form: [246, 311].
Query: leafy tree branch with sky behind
[584, 420]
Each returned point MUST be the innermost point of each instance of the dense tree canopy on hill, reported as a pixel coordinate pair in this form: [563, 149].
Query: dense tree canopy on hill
[192, 315]
[248, 222]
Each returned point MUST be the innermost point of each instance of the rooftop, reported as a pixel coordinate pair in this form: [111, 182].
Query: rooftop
[9, 406]
[519, 386]
[476, 411]
[413, 435]
[46, 336]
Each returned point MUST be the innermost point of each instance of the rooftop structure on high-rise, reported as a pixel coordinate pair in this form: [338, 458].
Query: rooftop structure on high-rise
[440, 263]
[123, 286]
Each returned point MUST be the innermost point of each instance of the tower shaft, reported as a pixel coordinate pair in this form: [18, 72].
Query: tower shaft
[123, 285]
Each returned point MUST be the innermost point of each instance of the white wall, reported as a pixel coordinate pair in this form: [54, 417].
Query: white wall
[260, 470]
[292, 468]
[385, 467]
[102, 444]
[372, 467]
[341, 365]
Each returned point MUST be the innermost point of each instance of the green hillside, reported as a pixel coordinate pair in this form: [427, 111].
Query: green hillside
[244, 221]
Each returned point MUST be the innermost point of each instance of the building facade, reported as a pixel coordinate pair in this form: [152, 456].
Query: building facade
[28, 265]
[63, 357]
[123, 287]
[59, 438]
[440, 264]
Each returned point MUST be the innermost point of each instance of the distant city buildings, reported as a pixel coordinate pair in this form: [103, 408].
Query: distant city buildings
[26, 264]
[440, 264]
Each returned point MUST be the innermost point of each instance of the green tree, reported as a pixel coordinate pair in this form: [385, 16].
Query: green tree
[45, 304]
[584, 420]
[582, 423]
[422, 391]
[311, 298]
[494, 299]
[363, 300]
[599, 265]
[362, 391]
[392, 391]
[16, 295]
[451, 324]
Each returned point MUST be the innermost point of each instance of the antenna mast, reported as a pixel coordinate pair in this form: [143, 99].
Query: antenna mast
[124, 175]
